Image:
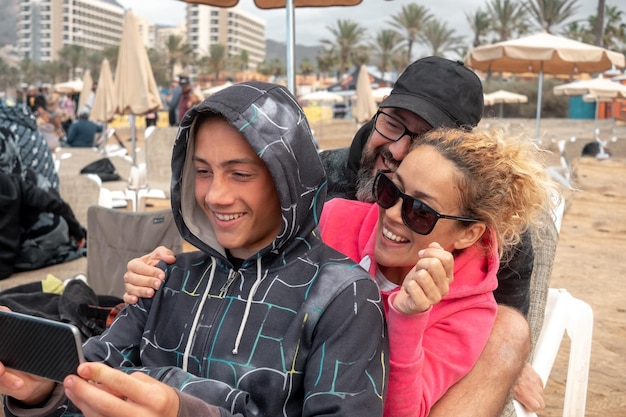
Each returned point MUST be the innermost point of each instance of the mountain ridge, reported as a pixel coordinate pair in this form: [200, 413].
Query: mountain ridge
[278, 50]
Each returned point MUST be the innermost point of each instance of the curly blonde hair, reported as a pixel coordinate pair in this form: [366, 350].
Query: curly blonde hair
[503, 182]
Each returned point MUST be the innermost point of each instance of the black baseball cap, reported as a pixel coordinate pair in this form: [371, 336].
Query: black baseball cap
[441, 91]
[183, 80]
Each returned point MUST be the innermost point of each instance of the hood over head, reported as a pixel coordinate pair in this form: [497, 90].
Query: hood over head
[273, 123]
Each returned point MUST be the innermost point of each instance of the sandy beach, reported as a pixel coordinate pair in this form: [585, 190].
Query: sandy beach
[588, 259]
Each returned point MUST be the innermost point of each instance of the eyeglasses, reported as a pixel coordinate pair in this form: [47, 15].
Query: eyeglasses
[391, 128]
[416, 215]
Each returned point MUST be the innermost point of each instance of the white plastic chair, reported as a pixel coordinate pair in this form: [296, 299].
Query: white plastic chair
[564, 314]
[562, 173]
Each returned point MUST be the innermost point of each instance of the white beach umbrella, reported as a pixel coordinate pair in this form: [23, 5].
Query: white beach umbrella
[543, 53]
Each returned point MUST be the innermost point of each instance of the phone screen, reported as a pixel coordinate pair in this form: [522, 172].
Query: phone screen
[39, 346]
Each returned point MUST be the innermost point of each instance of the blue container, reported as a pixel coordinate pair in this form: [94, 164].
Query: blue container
[579, 109]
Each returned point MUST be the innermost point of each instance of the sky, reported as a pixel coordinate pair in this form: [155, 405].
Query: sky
[311, 22]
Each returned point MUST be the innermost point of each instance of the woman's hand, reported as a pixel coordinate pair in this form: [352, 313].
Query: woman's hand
[101, 391]
[427, 283]
[142, 277]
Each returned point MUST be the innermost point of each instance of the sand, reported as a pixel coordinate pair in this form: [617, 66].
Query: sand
[588, 260]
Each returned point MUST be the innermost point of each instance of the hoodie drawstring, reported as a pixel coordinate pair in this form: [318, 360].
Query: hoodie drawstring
[196, 319]
[244, 320]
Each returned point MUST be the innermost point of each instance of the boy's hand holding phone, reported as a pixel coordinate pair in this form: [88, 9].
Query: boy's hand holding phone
[35, 354]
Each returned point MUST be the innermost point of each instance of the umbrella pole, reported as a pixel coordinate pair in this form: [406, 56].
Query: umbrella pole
[501, 110]
[291, 35]
[133, 137]
[539, 92]
[595, 121]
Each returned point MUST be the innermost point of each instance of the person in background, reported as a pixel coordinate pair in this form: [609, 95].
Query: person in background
[188, 98]
[264, 319]
[35, 155]
[50, 126]
[172, 103]
[152, 118]
[432, 92]
[37, 228]
[52, 100]
[35, 100]
[92, 97]
[83, 131]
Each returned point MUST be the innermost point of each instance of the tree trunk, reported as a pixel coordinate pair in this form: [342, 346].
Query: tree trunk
[599, 23]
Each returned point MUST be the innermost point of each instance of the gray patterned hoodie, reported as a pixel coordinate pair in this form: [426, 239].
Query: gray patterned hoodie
[297, 330]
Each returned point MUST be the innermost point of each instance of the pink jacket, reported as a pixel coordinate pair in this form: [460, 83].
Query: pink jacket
[430, 351]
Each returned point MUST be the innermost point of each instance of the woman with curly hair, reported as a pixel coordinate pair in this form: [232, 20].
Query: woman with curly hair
[455, 206]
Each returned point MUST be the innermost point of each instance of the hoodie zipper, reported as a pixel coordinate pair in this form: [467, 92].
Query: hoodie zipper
[231, 277]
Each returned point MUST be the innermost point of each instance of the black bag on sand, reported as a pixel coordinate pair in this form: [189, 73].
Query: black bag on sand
[103, 168]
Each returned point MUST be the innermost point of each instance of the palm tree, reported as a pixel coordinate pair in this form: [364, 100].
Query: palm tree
[412, 19]
[54, 71]
[276, 68]
[326, 61]
[348, 36]
[216, 60]
[549, 13]
[27, 71]
[398, 63]
[614, 32]
[111, 53]
[440, 38]
[579, 32]
[244, 59]
[360, 56]
[9, 76]
[599, 24]
[177, 52]
[72, 55]
[480, 23]
[306, 67]
[93, 61]
[507, 17]
[385, 47]
[160, 66]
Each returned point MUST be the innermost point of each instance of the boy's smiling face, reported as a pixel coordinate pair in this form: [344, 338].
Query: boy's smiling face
[235, 189]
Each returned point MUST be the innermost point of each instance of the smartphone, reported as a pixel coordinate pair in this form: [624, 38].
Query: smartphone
[39, 346]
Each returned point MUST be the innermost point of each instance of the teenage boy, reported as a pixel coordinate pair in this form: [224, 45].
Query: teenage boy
[264, 319]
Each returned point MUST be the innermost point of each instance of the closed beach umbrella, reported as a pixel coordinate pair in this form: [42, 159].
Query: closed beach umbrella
[543, 53]
[365, 106]
[136, 92]
[104, 102]
[85, 92]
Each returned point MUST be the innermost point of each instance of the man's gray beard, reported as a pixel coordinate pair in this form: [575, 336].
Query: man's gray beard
[365, 178]
[364, 185]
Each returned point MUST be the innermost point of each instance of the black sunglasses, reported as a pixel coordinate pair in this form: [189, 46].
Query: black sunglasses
[416, 215]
